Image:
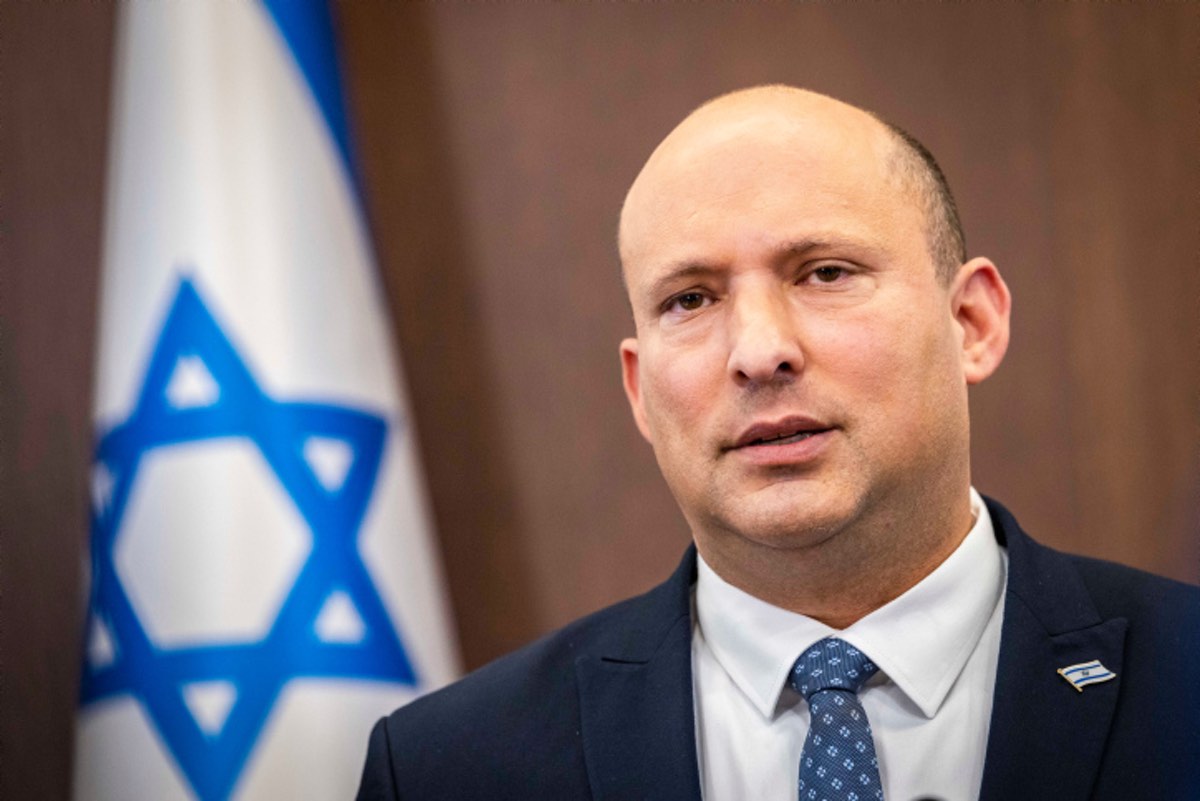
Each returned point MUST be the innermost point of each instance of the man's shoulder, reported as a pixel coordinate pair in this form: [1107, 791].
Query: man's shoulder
[1064, 610]
[514, 728]
[1153, 605]
[1122, 591]
[544, 670]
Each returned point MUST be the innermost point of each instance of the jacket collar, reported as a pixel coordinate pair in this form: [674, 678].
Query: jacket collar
[1046, 738]
[636, 704]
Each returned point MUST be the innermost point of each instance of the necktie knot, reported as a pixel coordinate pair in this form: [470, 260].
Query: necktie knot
[831, 664]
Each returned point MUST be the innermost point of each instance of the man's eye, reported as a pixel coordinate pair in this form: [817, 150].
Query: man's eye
[829, 273]
[688, 301]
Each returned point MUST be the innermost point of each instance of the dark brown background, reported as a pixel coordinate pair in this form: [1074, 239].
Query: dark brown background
[496, 142]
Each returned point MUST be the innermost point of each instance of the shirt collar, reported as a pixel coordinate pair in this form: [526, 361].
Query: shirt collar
[920, 640]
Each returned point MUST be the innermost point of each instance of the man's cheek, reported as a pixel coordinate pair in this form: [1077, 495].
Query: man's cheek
[681, 387]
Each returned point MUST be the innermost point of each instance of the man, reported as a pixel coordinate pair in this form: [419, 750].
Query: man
[807, 328]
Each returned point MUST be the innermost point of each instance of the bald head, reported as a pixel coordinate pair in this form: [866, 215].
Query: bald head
[811, 124]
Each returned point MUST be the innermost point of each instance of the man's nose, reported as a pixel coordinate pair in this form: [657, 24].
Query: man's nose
[765, 342]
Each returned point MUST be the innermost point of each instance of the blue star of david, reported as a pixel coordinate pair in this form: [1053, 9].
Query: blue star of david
[291, 648]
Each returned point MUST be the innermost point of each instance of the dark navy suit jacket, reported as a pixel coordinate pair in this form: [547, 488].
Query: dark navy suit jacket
[603, 708]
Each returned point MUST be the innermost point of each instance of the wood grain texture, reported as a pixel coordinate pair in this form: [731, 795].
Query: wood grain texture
[54, 74]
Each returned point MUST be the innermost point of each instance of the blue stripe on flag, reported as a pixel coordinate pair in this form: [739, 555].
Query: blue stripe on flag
[307, 27]
[1088, 666]
[1091, 679]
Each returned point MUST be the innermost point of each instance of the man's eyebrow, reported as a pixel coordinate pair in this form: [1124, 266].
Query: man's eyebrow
[697, 269]
[681, 272]
[801, 247]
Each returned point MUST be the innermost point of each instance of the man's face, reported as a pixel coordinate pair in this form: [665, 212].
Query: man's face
[797, 365]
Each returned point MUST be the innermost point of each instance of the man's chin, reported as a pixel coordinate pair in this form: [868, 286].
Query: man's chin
[790, 524]
[794, 535]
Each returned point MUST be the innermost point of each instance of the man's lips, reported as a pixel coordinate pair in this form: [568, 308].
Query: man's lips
[780, 432]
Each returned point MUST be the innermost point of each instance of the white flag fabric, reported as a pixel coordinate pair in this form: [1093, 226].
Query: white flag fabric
[263, 582]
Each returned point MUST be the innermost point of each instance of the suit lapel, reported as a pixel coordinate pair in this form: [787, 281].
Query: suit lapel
[1046, 738]
[636, 707]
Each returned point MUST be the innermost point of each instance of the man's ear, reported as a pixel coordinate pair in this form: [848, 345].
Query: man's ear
[980, 305]
[633, 388]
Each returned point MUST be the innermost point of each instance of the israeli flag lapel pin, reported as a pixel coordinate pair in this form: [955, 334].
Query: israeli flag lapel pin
[1085, 673]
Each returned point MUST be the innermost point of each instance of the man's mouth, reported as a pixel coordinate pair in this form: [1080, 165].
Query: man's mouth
[784, 439]
[781, 432]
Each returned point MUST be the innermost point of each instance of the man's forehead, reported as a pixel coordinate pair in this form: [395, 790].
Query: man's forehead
[756, 140]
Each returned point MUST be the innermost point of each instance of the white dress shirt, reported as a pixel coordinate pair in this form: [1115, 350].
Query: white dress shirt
[929, 705]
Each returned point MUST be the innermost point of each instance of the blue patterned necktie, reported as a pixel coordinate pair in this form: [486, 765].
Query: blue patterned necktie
[838, 762]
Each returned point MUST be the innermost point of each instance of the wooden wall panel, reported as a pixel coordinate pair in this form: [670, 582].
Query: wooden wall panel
[497, 141]
[1066, 132]
[54, 68]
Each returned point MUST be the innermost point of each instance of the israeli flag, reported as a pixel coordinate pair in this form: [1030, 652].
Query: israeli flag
[263, 583]
[1085, 673]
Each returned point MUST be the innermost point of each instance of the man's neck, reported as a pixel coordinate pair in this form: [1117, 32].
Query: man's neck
[850, 573]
